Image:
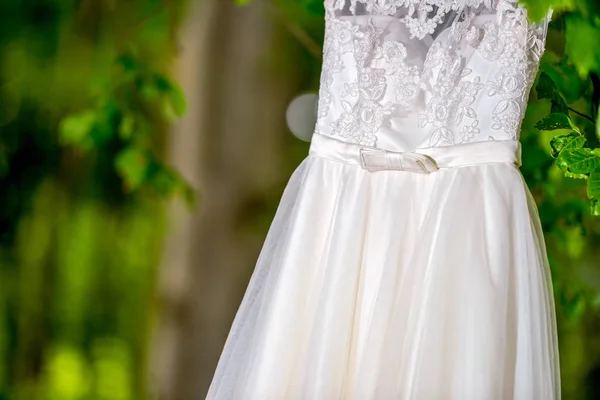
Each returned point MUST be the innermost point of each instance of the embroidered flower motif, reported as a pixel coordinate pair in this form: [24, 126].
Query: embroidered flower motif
[469, 131]
[518, 50]
[361, 120]
[394, 51]
[347, 123]
[370, 77]
[337, 42]
[366, 41]
[421, 17]
[452, 98]
[350, 89]
[383, 76]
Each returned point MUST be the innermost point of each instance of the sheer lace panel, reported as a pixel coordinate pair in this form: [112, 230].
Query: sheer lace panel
[461, 68]
[422, 17]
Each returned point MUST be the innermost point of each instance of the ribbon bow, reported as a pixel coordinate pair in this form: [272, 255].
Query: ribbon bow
[381, 160]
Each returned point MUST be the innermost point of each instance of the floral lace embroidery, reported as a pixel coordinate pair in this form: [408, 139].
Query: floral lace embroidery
[406, 78]
[381, 66]
[361, 120]
[518, 49]
[338, 41]
[509, 41]
[421, 17]
[452, 95]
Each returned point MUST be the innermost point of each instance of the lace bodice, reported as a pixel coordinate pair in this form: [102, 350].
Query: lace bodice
[405, 74]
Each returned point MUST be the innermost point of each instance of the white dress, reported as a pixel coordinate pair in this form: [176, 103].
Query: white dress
[406, 259]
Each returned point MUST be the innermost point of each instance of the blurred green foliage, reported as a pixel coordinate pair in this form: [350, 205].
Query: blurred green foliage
[86, 96]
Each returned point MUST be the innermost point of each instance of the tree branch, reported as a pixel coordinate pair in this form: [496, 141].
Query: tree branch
[582, 115]
[297, 31]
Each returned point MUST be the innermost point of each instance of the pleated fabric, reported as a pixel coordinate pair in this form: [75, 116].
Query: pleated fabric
[397, 285]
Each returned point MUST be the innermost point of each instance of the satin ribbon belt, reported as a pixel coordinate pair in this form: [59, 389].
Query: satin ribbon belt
[423, 161]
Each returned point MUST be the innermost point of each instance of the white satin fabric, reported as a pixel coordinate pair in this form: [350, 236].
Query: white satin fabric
[422, 160]
[397, 285]
[406, 259]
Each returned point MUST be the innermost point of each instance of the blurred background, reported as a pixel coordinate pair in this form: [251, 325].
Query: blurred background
[143, 152]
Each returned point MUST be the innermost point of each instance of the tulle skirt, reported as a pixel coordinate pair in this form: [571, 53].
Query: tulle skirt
[397, 285]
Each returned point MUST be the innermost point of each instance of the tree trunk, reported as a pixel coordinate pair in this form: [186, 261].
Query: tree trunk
[232, 147]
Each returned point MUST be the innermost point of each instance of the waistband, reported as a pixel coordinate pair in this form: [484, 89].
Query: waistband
[424, 161]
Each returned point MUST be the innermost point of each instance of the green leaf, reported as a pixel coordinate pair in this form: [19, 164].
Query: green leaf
[127, 62]
[593, 185]
[575, 176]
[105, 128]
[176, 102]
[589, 8]
[546, 89]
[75, 129]
[149, 91]
[598, 123]
[575, 308]
[555, 121]
[579, 161]
[127, 67]
[162, 83]
[168, 183]
[580, 34]
[127, 126]
[538, 9]
[595, 207]
[132, 164]
[571, 141]
[564, 78]
[593, 192]
[242, 2]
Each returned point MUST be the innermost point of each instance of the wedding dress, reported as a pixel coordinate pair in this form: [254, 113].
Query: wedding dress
[406, 259]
